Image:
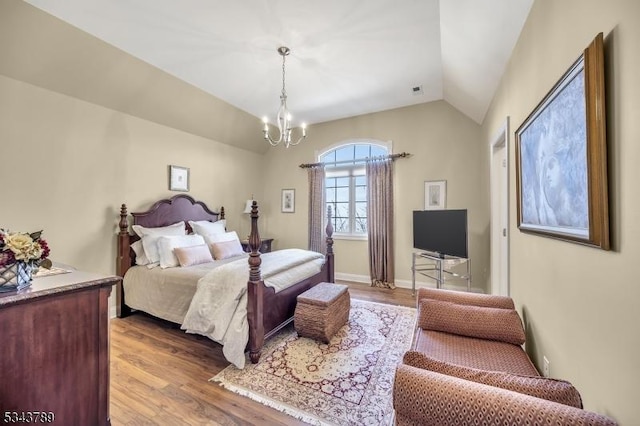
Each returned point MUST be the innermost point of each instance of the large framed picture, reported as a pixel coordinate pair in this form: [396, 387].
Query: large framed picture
[288, 200]
[435, 195]
[561, 157]
[178, 178]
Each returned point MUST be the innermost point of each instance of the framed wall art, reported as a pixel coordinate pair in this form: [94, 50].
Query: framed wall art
[435, 195]
[288, 200]
[178, 178]
[561, 157]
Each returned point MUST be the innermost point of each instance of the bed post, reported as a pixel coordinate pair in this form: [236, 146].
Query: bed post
[330, 259]
[123, 261]
[255, 295]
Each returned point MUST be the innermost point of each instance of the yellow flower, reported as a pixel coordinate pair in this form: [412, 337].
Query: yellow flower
[34, 252]
[22, 246]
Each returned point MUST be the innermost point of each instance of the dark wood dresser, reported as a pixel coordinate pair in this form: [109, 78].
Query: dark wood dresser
[54, 351]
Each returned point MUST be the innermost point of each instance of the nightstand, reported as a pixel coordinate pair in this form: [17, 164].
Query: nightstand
[265, 245]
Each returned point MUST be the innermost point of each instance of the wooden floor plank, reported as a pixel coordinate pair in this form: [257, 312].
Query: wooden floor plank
[160, 374]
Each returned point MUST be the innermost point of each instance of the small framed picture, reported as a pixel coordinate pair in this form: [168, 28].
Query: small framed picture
[288, 200]
[435, 195]
[178, 178]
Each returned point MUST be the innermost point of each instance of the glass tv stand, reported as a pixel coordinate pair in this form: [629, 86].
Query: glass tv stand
[432, 265]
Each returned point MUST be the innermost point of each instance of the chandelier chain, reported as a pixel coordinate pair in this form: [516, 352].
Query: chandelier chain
[284, 92]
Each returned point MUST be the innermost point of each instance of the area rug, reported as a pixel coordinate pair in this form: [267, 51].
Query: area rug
[348, 381]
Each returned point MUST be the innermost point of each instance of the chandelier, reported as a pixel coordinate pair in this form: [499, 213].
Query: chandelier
[284, 116]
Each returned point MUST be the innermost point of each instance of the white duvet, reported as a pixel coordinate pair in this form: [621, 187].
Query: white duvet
[219, 307]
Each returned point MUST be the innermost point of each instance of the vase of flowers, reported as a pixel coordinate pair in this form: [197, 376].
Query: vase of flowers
[21, 254]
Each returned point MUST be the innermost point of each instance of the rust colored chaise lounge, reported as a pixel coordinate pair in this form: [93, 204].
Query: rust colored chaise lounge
[467, 367]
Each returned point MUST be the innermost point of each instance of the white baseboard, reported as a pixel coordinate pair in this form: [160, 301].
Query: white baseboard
[353, 278]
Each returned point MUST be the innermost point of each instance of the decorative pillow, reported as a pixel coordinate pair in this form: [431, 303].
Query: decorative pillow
[555, 390]
[166, 245]
[141, 257]
[499, 324]
[194, 255]
[220, 238]
[226, 249]
[204, 227]
[149, 237]
[466, 298]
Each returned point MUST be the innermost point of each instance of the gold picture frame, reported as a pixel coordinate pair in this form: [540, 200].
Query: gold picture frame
[561, 157]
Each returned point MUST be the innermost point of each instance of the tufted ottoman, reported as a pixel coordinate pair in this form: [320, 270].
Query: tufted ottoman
[322, 310]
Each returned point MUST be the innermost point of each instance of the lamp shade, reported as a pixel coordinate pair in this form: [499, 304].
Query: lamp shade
[247, 207]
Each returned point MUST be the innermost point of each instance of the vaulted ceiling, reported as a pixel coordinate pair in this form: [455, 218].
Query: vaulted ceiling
[348, 57]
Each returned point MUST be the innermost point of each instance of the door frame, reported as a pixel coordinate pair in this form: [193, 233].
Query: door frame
[500, 232]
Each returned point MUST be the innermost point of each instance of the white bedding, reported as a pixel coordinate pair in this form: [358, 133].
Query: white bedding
[166, 293]
[219, 307]
[210, 299]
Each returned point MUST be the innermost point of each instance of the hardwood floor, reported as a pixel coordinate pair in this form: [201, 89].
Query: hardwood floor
[159, 374]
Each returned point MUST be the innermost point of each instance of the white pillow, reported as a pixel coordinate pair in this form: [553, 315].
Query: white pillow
[204, 227]
[166, 244]
[221, 238]
[141, 257]
[149, 237]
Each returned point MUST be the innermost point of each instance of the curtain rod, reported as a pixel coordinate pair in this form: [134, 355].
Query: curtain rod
[381, 157]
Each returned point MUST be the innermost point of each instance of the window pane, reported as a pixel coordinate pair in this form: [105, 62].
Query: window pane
[378, 150]
[361, 226]
[343, 182]
[345, 153]
[342, 210]
[342, 194]
[330, 195]
[361, 193]
[361, 218]
[361, 209]
[341, 225]
[328, 182]
[361, 181]
[363, 151]
[329, 157]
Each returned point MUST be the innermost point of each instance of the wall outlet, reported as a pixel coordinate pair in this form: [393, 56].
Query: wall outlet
[545, 366]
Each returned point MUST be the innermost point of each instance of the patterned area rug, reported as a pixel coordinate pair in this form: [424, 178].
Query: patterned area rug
[348, 381]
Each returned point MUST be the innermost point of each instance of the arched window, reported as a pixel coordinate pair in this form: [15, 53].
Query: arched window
[346, 184]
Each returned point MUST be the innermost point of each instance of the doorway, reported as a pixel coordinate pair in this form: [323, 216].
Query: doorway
[499, 165]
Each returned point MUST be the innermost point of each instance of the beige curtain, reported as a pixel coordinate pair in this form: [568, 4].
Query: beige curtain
[317, 241]
[380, 222]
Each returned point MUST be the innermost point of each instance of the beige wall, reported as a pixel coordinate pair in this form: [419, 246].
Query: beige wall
[445, 145]
[68, 165]
[580, 303]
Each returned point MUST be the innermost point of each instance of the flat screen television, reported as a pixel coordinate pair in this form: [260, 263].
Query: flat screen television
[443, 232]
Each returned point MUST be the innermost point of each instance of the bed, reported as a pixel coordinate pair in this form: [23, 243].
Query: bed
[267, 310]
